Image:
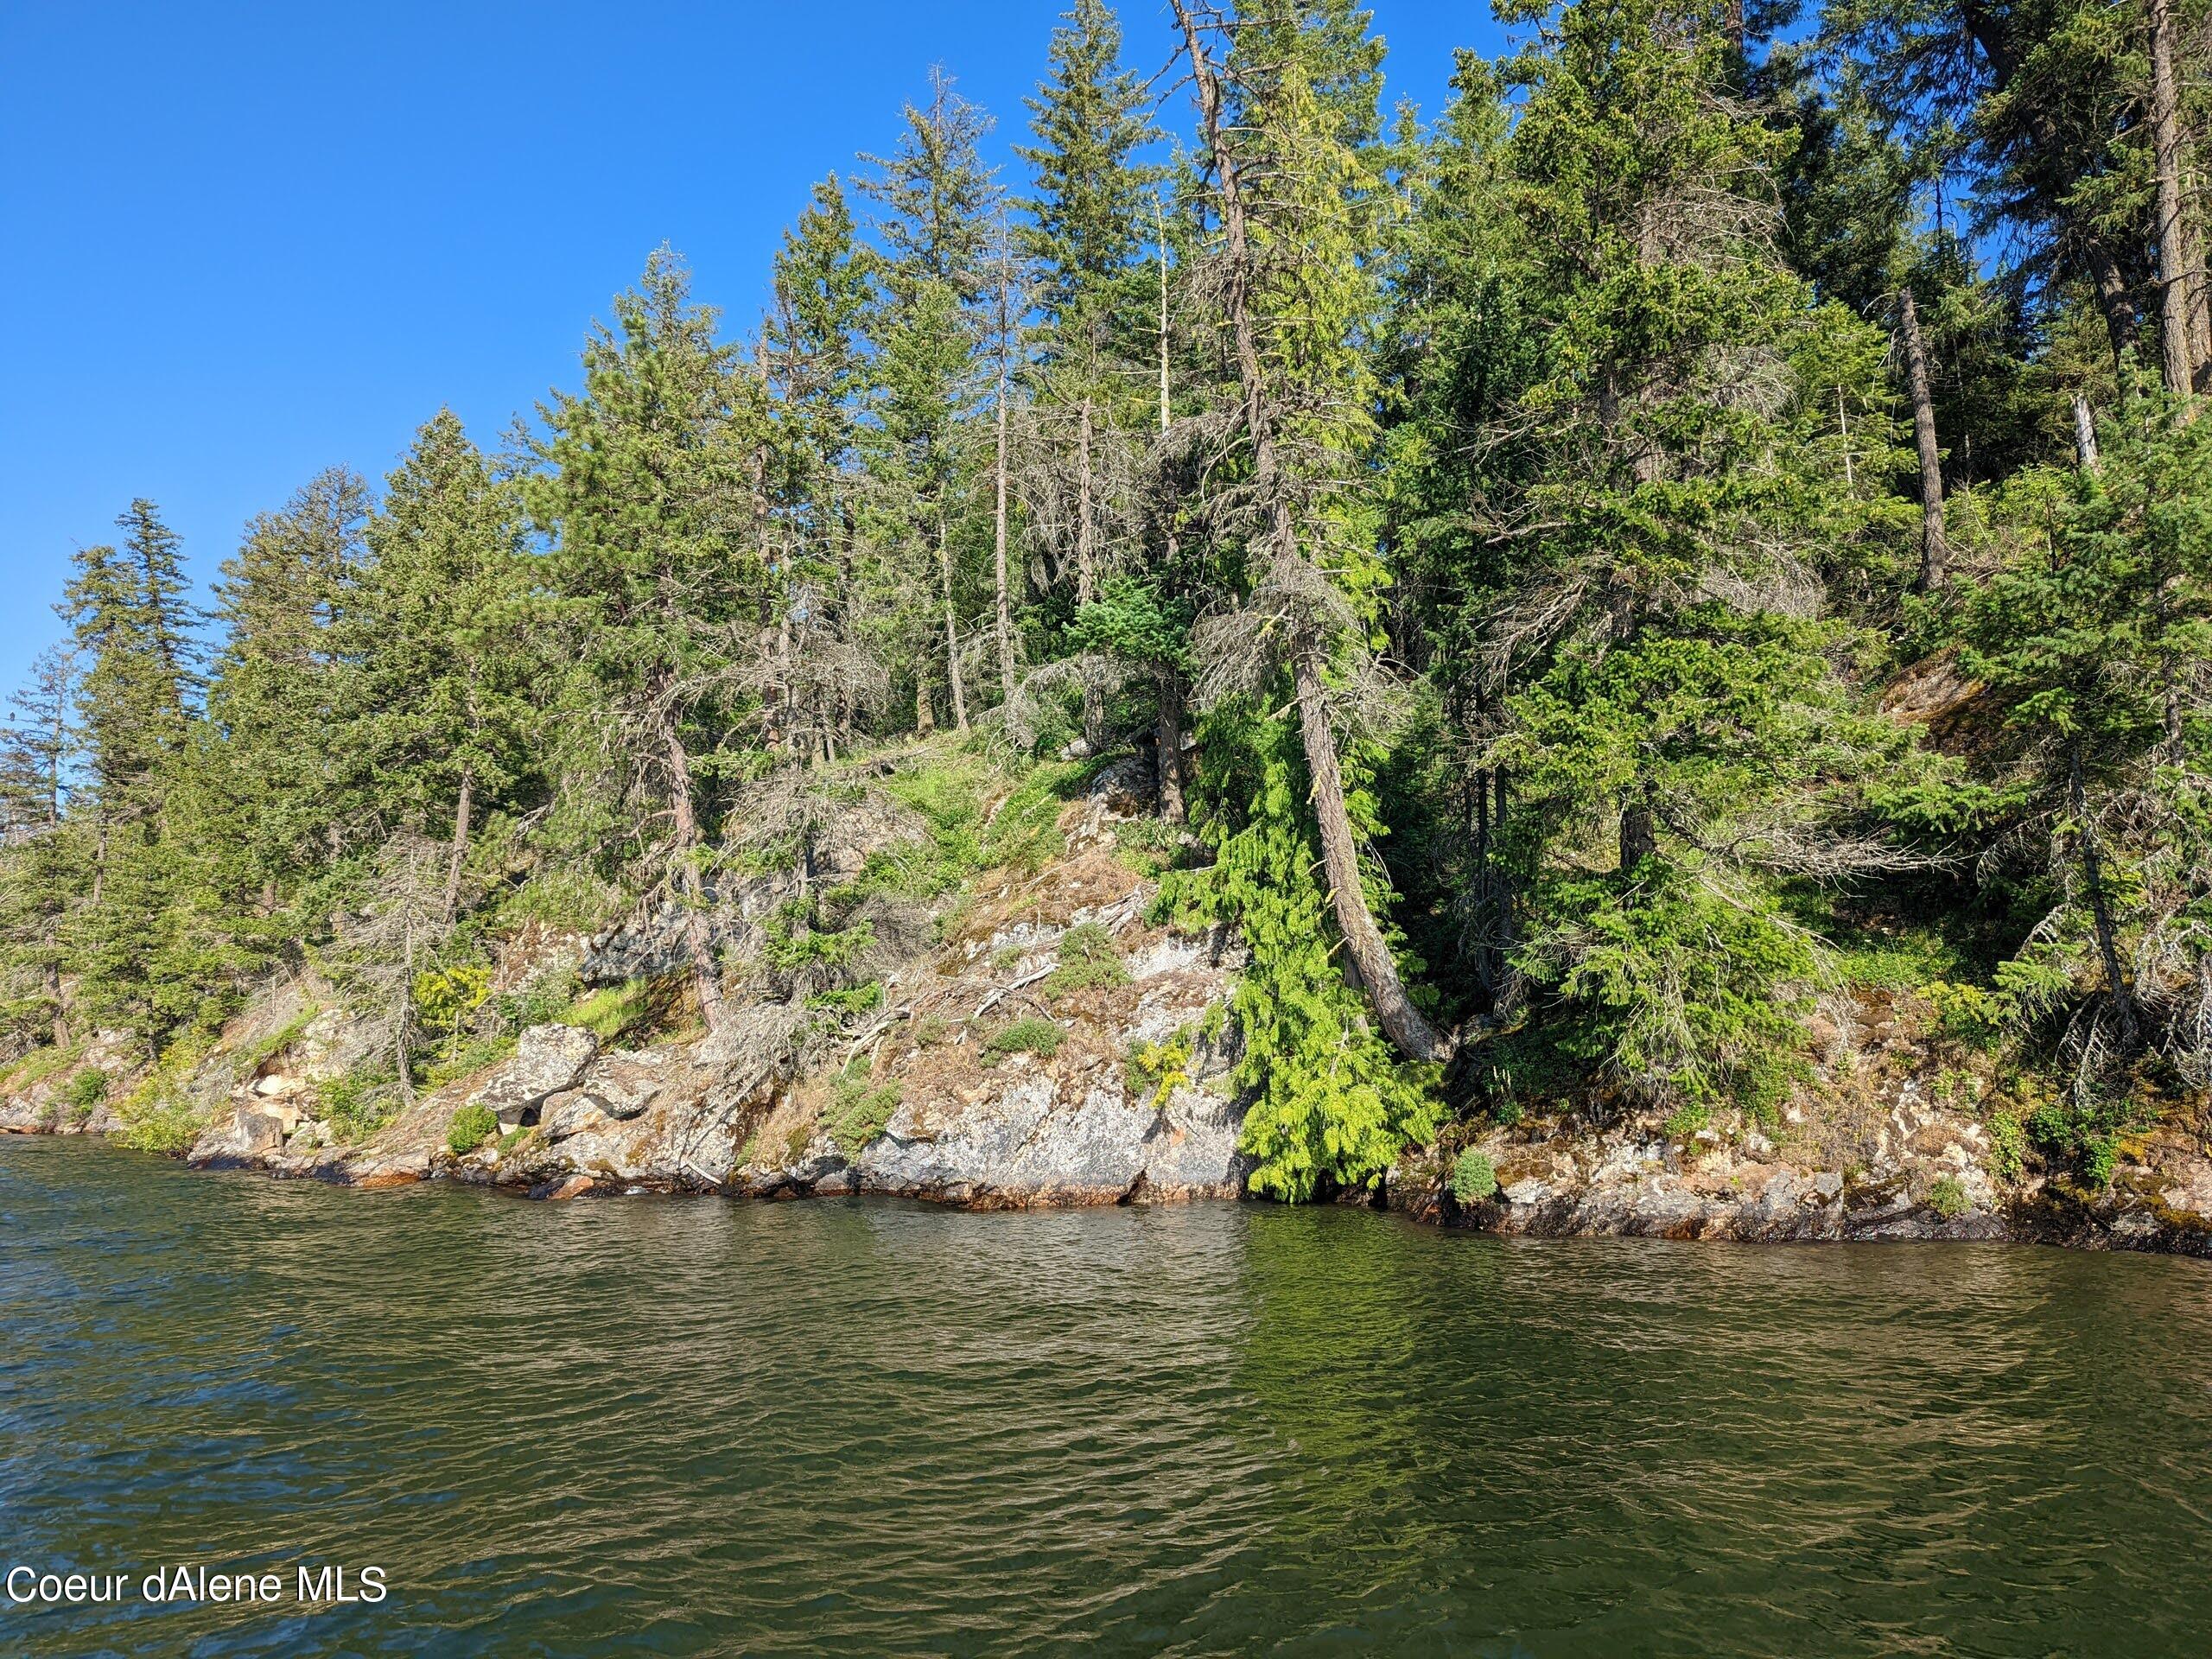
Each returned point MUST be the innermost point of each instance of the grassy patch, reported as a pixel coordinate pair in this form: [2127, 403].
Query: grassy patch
[1088, 961]
[860, 1110]
[38, 1065]
[614, 1012]
[1030, 1036]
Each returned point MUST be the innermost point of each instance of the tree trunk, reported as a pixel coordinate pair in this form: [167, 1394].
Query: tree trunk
[1370, 952]
[1639, 834]
[951, 636]
[2099, 905]
[61, 1007]
[1934, 551]
[403, 1060]
[2085, 435]
[2180, 258]
[698, 931]
[1168, 734]
[1086, 571]
[1160, 220]
[924, 711]
[451, 907]
[998, 546]
[1363, 941]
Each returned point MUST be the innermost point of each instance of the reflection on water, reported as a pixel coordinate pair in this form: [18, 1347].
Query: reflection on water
[692, 1426]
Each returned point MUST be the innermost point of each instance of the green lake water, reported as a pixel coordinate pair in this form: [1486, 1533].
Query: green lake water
[694, 1427]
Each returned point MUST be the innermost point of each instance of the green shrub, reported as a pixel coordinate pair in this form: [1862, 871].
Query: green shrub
[1967, 1013]
[860, 1110]
[1027, 1036]
[857, 999]
[87, 1089]
[2008, 1141]
[472, 1125]
[1157, 1069]
[1685, 1122]
[1473, 1177]
[445, 997]
[156, 1116]
[357, 1105]
[162, 1126]
[512, 1139]
[1088, 961]
[540, 1002]
[612, 1012]
[1948, 1198]
[1509, 1114]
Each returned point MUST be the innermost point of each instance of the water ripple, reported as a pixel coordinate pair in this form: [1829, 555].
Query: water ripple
[695, 1428]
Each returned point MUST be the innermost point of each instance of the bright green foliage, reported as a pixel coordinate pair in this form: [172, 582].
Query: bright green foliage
[1030, 1035]
[472, 1125]
[1156, 1070]
[1472, 1177]
[860, 1110]
[1330, 1105]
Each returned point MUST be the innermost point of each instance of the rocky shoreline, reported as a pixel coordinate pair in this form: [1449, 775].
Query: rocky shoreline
[668, 1120]
[1038, 1041]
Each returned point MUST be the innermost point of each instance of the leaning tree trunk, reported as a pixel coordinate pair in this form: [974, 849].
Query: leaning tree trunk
[1370, 952]
[1934, 550]
[2179, 259]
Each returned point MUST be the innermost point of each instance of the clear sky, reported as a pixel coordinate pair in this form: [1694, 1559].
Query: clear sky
[244, 242]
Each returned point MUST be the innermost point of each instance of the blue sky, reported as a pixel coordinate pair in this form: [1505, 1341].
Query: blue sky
[244, 242]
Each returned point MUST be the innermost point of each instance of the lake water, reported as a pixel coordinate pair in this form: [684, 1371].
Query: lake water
[692, 1426]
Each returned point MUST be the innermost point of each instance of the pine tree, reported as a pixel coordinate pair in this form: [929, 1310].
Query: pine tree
[132, 627]
[648, 485]
[1672, 681]
[1296, 191]
[1085, 239]
[824, 677]
[934, 196]
[267, 766]
[436, 630]
[41, 852]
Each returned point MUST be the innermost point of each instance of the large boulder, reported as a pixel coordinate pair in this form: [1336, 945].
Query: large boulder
[548, 1060]
[263, 1126]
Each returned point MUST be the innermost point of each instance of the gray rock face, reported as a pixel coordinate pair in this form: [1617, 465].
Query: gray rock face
[1025, 1145]
[264, 1127]
[548, 1059]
